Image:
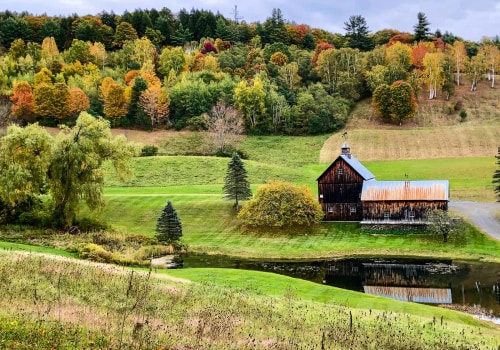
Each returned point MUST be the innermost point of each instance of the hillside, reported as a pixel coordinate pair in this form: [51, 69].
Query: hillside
[433, 133]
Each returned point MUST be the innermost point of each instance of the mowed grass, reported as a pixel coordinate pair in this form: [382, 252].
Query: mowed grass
[210, 226]
[470, 178]
[462, 140]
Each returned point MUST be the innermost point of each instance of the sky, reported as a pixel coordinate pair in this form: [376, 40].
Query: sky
[470, 20]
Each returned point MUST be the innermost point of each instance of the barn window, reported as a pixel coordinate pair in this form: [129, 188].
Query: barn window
[387, 215]
[321, 196]
[340, 172]
[353, 209]
[411, 214]
[330, 208]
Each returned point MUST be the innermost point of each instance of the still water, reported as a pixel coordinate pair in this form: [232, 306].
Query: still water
[471, 284]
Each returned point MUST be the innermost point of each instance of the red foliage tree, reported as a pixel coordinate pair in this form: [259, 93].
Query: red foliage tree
[23, 101]
[404, 38]
[320, 47]
[208, 47]
[417, 55]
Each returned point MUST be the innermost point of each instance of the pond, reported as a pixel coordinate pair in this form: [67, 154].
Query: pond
[463, 284]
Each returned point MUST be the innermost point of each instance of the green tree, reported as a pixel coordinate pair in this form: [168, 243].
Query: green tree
[404, 104]
[381, 102]
[422, 28]
[124, 32]
[168, 225]
[357, 33]
[281, 204]
[79, 51]
[75, 172]
[236, 185]
[24, 160]
[442, 223]
[171, 59]
[135, 115]
[496, 176]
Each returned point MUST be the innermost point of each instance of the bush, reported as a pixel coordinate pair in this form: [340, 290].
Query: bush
[95, 252]
[196, 123]
[149, 151]
[463, 115]
[281, 204]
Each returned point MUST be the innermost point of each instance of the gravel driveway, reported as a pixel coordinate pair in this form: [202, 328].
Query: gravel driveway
[480, 214]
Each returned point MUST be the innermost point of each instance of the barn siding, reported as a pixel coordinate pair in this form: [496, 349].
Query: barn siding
[374, 210]
[341, 193]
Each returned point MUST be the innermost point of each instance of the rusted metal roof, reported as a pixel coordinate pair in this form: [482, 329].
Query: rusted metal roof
[417, 295]
[429, 190]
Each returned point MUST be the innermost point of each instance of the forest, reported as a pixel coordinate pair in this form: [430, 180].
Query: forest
[153, 69]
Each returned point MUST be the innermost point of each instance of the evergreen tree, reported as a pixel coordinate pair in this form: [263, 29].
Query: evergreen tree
[357, 33]
[168, 226]
[421, 28]
[496, 176]
[236, 185]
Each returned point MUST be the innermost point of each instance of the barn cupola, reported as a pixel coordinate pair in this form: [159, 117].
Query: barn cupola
[346, 150]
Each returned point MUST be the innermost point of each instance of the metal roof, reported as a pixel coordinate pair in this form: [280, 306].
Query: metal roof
[417, 295]
[427, 190]
[356, 165]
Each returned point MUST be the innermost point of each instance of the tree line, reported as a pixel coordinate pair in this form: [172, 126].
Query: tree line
[152, 69]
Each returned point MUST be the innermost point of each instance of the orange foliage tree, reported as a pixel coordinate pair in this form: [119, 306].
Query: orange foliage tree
[320, 47]
[23, 102]
[79, 101]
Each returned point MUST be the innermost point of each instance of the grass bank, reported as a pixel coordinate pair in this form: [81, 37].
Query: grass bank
[97, 306]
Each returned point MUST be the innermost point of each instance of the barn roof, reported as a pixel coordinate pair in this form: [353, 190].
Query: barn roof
[427, 190]
[355, 164]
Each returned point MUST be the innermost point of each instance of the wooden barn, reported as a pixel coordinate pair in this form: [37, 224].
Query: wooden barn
[340, 185]
[347, 191]
[405, 201]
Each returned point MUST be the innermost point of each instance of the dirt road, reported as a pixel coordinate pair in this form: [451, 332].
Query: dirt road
[480, 214]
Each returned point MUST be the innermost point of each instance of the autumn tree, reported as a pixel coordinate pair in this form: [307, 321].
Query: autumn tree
[75, 172]
[79, 101]
[115, 102]
[156, 104]
[492, 61]
[168, 225]
[124, 32]
[249, 99]
[422, 28]
[433, 63]
[23, 102]
[381, 102]
[459, 54]
[171, 59]
[224, 127]
[404, 104]
[290, 74]
[281, 204]
[236, 184]
[475, 68]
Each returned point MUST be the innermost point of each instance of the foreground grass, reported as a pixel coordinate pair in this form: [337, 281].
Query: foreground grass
[63, 304]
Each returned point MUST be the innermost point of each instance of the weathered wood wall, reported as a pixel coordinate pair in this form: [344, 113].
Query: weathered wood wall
[400, 210]
[339, 193]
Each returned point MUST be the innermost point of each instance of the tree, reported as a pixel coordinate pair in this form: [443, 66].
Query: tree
[442, 223]
[168, 225]
[79, 101]
[75, 172]
[381, 102]
[281, 204]
[421, 28]
[236, 185]
[404, 104]
[460, 57]
[357, 33]
[115, 103]
[225, 125]
[24, 160]
[23, 102]
[156, 104]
[250, 101]
[124, 32]
[496, 176]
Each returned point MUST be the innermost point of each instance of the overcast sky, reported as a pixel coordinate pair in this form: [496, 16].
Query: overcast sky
[469, 19]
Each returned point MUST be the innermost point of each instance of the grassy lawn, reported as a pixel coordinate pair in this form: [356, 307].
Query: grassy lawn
[210, 226]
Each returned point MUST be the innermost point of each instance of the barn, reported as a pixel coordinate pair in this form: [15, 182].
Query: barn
[348, 191]
[340, 185]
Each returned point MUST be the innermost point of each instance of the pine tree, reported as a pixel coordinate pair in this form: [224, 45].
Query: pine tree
[168, 226]
[496, 176]
[422, 28]
[236, 185]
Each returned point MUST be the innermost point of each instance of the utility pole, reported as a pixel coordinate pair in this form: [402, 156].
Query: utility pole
[235, 13]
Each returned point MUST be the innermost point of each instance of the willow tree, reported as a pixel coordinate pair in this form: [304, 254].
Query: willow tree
[75, 172]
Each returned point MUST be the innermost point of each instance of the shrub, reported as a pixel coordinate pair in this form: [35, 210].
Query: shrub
[95, 252]
[463, 115]
[281, 204]
[149, 151]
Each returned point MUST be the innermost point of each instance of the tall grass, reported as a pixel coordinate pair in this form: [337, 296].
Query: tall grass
[60, 304]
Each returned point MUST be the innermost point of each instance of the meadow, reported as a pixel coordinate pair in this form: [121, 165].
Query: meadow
[64, 304]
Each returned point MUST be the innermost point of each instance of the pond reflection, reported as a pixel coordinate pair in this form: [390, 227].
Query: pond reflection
[468, 284]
